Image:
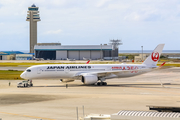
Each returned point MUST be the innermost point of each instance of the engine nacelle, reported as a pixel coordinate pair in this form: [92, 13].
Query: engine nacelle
[89, 79]
[66, 80]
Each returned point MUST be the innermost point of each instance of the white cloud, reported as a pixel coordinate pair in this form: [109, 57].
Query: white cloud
[92, 20]
[53, 31]
[1, 24]
[133, 16]
[100, 3]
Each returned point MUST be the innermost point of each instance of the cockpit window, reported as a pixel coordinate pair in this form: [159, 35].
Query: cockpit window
[28, 70]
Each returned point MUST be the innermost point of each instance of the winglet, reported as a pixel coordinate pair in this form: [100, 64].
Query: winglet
[161, 65]
[88, 62]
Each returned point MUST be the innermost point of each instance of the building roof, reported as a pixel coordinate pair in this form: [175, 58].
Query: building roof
[33, 5]
[73, 47]
[10, 52]
[48, 43]
[98, 116]
[24, 55]
[148, 114]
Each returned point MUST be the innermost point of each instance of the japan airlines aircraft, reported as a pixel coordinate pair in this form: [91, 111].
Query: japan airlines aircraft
[92, 73]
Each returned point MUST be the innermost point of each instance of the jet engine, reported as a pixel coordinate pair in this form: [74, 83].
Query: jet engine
[89, 79]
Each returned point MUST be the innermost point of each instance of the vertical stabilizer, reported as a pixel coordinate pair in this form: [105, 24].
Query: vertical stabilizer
[153, 58]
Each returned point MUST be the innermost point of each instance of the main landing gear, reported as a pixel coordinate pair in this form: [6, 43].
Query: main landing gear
[101, 83]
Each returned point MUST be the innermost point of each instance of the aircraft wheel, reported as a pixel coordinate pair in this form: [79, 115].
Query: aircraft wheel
[104, 83]
[101, 83]
[98, 83]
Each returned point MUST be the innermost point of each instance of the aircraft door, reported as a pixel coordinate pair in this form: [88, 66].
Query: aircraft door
[109, 68]
[66, 70]
[39, 70]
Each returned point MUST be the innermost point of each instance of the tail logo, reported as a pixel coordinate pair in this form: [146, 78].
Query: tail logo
[155, 56]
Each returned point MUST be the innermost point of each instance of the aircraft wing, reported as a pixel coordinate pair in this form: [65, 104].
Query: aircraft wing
[107, 73]
[117, 72]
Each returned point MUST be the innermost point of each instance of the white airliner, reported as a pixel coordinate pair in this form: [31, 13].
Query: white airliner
[92, 73]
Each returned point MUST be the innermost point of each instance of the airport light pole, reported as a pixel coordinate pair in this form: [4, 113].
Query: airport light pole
[142, 53]
[77, 113]
[101, 52]
[83, 112]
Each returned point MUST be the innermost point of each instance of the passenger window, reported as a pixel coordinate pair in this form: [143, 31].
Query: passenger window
[28, 70]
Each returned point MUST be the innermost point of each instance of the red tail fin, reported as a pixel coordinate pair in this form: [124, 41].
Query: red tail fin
[162, 65]
[88, 62]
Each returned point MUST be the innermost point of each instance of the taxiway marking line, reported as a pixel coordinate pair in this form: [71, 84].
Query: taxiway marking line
[27, 116]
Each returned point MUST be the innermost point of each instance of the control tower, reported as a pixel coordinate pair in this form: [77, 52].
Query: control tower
[33, 18]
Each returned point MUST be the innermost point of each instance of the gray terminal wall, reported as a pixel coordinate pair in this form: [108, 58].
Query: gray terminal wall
[79, 55]
[75, 54]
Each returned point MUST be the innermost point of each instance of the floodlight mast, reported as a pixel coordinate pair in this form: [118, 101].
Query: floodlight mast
[115, 44]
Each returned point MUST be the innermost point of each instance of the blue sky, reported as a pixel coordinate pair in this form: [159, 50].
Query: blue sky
[79, 22]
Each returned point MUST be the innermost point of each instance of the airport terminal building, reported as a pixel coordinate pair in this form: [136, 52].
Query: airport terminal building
[56, 51]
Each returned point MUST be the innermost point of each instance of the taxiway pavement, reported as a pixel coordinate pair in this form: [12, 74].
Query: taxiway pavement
[51, 100]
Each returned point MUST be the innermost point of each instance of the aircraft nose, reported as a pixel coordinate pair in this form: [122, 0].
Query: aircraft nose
[23, 75]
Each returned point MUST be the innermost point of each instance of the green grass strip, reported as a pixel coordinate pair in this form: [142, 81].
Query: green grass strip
[10, 75]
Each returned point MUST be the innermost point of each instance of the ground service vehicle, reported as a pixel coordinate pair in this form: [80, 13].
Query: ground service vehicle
[25, 83]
